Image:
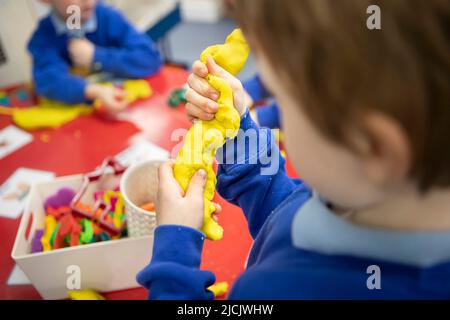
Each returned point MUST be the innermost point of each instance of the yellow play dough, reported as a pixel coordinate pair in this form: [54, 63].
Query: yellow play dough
[219, 289]
[86, 294]
[49, 114]
[137, 89]
[53, 114]
[205, 137]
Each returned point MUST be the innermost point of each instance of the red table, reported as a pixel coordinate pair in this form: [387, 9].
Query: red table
[82, 144]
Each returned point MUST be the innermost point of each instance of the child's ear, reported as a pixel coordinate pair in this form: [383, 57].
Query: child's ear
[387, 153]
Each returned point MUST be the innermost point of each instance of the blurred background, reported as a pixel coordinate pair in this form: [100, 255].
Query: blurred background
[182, 29]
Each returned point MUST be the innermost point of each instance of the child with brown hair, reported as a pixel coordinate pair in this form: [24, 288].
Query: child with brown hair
[367, 126]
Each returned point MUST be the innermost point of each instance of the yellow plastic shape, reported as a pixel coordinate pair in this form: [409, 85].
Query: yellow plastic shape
[219, 289]
[118, 211]
[86, 294]
[50, 225]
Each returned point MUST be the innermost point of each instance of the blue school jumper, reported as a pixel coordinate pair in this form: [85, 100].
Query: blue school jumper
[301, 250]
[120, 50]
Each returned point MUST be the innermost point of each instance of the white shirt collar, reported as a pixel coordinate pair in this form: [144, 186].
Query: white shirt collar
[61, 26]
[315, 227]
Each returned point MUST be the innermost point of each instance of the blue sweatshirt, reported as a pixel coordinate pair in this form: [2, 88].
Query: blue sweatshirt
[120, 50]
[256, 89]
[269, 115]
[301, 250]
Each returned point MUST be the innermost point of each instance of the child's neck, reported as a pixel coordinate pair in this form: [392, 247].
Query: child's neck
[408, 211]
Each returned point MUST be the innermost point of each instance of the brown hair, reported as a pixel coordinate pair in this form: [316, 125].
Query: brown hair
[337, 68]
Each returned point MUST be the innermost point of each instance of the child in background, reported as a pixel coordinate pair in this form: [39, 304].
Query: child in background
[106, 42]
[268, 115]
[366, 119]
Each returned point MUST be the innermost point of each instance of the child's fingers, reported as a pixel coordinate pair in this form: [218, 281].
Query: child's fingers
[200, 69]
[114, 99]
[200, 101]
[217, 70]
[165, 170]
[167, 182]
[116, 105]
[195, 112]
[191, 118]
[248, 99]
[197, 185]
[217, 211]
[218, 207]
[119, 93]
[202, 87]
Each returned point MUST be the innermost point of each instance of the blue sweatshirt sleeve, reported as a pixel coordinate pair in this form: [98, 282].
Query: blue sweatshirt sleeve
[252, 174]
[269, 116]
[174, 271]
[51, 72]
[255, 88]
[131, 54]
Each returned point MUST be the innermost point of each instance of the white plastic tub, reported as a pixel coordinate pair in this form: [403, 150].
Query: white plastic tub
[104, 266]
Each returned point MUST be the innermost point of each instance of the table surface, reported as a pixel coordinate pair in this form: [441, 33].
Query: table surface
[81, 145]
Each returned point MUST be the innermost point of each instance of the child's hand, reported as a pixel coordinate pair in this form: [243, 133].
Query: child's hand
[81, 52]
[112, 99]
[202, 98]
[177, 207]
